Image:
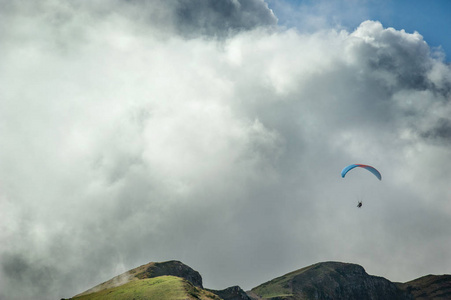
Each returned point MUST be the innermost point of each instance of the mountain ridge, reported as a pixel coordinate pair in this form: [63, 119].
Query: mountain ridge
[330, 280]
[324, 280]
[150, 270]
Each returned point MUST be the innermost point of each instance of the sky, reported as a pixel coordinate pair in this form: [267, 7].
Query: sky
[214, 133]
[429, 18]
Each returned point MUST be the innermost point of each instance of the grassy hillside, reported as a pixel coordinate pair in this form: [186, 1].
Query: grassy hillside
[279, 287]
[147, 271]
[429, 287]
[161, 288]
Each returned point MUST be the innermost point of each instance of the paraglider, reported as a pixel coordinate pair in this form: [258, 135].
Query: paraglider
[366, 167]
[369, 168]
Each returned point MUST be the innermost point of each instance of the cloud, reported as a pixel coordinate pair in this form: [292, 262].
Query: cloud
[219, 18]
[129, 138]
[198, 18]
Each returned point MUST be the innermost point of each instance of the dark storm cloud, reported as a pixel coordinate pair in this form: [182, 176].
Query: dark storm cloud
[125, 142]
[400, 67]
[220, 18]
[402, 57]
[31, 277]
[440, 132]
[208, 18]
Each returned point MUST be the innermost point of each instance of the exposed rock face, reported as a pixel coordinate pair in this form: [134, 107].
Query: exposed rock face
[429, 287]
[173, 268]
[327, 280]
[330, 280]
[231, 293]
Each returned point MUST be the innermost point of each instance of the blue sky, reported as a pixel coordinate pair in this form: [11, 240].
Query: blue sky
[432, 19]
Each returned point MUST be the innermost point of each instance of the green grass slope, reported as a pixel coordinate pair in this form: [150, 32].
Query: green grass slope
[279, 287]
[158, 288]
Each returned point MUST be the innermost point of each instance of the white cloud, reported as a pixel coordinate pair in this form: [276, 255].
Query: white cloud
[125, 142]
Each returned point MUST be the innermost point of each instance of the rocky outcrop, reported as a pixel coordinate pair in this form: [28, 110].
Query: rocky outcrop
[231, 293]
[172, 268]
[330, 280]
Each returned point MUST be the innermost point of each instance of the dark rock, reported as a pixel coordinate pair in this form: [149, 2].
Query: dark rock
[429, 287]
[331, 280]
[231, 293]
[172, 268]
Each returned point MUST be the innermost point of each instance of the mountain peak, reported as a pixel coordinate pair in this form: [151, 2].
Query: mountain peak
[171, 268]
[329, 280]
[151, 270]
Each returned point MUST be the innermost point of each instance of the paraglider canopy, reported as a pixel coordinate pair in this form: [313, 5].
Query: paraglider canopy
[369, 168]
